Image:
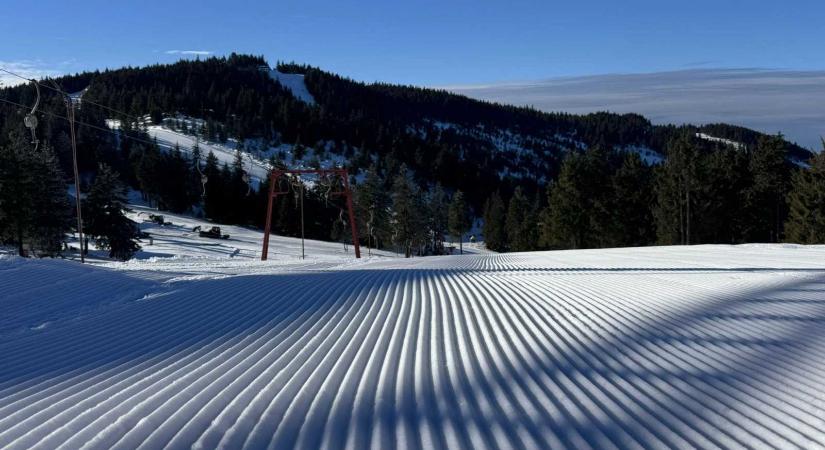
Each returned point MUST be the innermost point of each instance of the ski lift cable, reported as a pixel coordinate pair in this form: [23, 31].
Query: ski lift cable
[62, 92]
[204, 178]
[30, 120]
[88, 125]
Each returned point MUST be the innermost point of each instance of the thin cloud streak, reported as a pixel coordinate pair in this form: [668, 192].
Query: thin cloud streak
[26, 68]
[189, 52]
[766, 100]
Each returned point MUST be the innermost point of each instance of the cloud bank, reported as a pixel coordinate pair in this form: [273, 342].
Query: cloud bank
[770, 101]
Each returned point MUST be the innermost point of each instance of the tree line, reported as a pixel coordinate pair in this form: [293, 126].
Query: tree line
[613, 199]
[582, 194]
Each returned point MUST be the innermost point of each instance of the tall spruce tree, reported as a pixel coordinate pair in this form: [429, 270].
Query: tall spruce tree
[373, 204]
[459, 219]
[34, 206]
[766, 199]
[806, 200]
[52, 210]
[495, 226]
[676, 183]
[438, 220]
[629, 207]
[519, 212]
[406, 213]
[213, 202]
[106, 222]
[566, 219]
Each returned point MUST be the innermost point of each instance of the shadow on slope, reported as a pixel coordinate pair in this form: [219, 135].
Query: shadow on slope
[450, 357]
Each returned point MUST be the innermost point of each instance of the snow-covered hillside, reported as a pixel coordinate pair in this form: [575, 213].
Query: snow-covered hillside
[167, 138]
[707, 346]
[295, 83]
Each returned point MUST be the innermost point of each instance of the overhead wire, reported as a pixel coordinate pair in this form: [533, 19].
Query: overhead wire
[62, 92]
[88, 125]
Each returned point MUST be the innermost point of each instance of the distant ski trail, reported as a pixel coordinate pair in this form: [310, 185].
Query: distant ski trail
[678, 347]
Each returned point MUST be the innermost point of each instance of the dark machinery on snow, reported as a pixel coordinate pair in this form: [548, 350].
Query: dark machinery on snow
[212, 233]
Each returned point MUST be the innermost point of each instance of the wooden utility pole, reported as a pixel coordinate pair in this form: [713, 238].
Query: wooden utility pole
[70, 114]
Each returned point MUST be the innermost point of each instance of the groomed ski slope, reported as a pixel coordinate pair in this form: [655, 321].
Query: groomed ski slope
[706, 346]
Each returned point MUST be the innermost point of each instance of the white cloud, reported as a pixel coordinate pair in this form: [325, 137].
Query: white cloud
[25, 68]
[765, 100]
[189, 52]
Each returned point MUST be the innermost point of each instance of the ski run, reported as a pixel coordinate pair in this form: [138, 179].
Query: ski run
[659, 347]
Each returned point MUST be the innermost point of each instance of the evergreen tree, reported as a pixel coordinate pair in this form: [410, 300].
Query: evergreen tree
[195, 186]
[213, 200]
[406, 215]
[34, 207]
[806, 218]
[495, 228]
[719, 206]
[566, 220]
[459, 219]
[51, 207]
[629, 209]
[766, 199]
[373, 209]
[438, 218]
[149, 172]
[173, 189]
[104, 215]
[676, 182]
[519, 222]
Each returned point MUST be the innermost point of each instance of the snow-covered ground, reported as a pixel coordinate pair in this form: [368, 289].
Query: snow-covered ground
[704, 346]
[295, 83]
[736, 145]
[167, 139]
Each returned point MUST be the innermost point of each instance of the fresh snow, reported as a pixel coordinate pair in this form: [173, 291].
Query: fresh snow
[702, 346]
[735, 144]
[649, 156]
[295, 83]
[167, 139]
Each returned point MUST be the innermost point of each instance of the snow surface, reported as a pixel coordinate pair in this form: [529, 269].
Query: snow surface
[735, 144]
[257, 169]
[649, 156]
[704, 346]
[295, 83]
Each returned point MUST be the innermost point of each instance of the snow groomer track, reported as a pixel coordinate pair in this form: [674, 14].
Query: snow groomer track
[709, 346]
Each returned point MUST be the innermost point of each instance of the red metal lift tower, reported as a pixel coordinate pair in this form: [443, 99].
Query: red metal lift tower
[274, 178]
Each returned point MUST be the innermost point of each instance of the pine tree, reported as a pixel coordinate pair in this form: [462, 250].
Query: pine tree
[373, 209]
[104, 215]
[34, 207]
[406, 215]
[438, 208]
[806, 218]
[766, 199]
[213, 200]
[459, 219]
[519, 217]
[495, 228]
[629, 209]
[566, 220]
[676, 183]
[51, 207]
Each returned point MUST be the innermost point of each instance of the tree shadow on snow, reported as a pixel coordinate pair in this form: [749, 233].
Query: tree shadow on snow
[739, 369]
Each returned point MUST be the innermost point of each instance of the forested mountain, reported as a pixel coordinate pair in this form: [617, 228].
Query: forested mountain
[626, 181]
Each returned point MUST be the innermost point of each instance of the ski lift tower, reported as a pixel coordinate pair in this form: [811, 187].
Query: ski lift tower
[274, 178]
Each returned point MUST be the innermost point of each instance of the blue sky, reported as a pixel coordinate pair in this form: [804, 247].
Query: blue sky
[426, 42]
